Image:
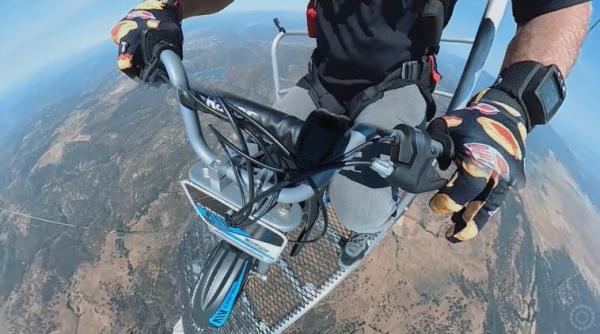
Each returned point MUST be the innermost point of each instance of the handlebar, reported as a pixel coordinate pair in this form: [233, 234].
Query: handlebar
[358, 135]
[179, 80]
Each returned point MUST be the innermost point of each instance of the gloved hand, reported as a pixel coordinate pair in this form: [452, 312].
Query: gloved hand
[163, 18]
[489, 139]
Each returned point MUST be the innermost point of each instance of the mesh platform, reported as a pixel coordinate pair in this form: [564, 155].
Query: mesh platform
[291, 288]
[293, 284]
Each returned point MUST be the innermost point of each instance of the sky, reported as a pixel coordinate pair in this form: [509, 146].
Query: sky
[37, 33]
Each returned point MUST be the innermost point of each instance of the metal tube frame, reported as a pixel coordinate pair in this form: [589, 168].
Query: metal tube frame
[480, 51]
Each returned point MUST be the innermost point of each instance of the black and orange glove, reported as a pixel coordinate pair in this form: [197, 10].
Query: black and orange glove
[489, 139]
[163, 18]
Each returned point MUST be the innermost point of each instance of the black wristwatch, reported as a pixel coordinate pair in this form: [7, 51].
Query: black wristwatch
[539, 89]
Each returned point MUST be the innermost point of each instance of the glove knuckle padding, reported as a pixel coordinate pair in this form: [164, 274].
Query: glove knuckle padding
[475, 216]
[461, 189]
[122, 29]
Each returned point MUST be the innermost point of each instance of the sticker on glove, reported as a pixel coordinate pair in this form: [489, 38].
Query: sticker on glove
[121, 29]
[485, 109]
[140, 14]
[488, 157]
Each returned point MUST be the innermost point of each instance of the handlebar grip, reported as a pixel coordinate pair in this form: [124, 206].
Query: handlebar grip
[175, 70]
[167, 37]
[413, 165]
[439, 133]
[437, 148]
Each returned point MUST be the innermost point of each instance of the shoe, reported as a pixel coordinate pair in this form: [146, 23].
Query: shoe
[355, 248]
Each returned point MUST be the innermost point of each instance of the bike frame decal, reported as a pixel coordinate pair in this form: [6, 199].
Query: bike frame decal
[263, 251]
[235, 235]
[218, 221]
[222, 314]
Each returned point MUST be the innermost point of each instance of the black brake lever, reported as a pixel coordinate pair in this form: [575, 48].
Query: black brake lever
[439, 132]
[153, 42]
[413, 164]
[152, 73]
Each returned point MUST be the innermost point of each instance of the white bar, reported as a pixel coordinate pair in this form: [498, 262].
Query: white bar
[458, 40]
[495, 11]
[442, 93]
[480, 51]
[274, 59]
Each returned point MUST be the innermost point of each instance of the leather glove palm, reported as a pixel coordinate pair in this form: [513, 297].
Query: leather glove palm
[128, 34]
[489, 138]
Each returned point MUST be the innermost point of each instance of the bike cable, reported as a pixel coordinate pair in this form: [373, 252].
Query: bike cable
[242, 141]
[237, 150]
[236, 171]
[320, 207]
[262, 129]
[296, 179]
[256, 205]
[360, 147]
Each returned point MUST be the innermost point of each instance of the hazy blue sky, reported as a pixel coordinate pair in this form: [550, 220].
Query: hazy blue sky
[37, 33]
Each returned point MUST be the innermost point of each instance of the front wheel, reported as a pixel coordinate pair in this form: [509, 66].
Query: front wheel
[221, 282]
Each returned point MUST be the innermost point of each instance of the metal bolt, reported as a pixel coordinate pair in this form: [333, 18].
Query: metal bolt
[284, 208]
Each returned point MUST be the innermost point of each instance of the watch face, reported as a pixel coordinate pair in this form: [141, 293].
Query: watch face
[550, 93]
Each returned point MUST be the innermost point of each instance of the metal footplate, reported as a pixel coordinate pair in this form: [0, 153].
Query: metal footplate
[293, 285]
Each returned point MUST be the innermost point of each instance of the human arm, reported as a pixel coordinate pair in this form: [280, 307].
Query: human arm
[192, 8]
[490, 134]
[553, 38]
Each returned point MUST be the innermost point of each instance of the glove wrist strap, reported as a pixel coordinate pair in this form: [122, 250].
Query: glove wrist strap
[538, 89]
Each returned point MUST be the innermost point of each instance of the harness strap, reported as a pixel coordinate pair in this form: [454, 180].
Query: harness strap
[320, 96]
[422, 72]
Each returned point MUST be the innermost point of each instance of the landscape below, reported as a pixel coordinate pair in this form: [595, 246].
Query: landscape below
[102, 153]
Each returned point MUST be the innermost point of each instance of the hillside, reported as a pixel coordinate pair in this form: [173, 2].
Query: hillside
[103, 153]
[522, 275]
